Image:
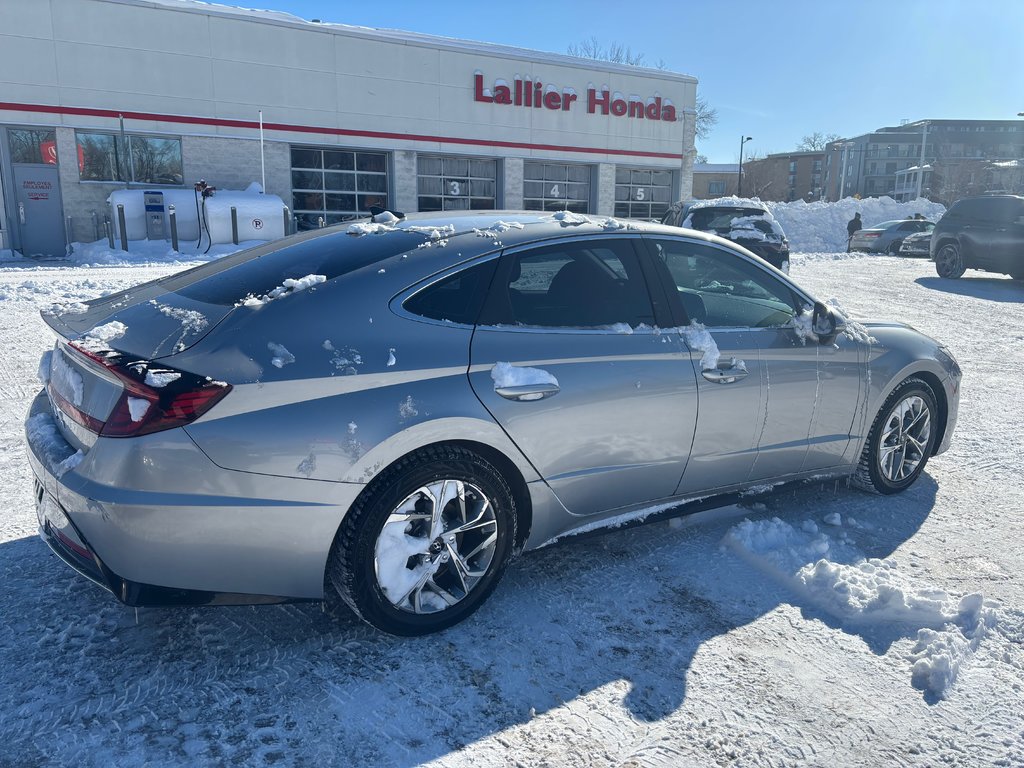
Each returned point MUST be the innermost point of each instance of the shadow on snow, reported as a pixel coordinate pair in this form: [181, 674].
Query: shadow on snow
[627, 610]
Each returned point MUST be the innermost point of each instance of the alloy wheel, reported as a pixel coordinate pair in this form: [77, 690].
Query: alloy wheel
[435, 546]
[905, 438]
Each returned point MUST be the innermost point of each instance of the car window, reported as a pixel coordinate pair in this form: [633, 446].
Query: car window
[725, 290]
[257, 271]
[580, 284]
[927, 226]
[456, 298]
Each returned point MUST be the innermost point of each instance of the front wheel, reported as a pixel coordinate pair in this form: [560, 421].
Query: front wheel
[949, 262]
[426, 543]
[900, 441]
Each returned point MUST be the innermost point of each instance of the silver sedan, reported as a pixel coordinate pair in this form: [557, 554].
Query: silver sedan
[387, 412]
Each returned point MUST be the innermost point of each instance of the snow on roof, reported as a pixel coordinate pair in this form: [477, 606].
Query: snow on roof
[731, 202]
[716, 168]
[1009, 164]
[283, 18]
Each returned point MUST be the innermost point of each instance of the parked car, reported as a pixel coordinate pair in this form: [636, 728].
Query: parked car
[745, 222]
[887, 236]
[917, 244]
[984, 233]
[387, 412]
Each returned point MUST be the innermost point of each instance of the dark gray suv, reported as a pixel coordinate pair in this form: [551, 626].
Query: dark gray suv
[981, 233]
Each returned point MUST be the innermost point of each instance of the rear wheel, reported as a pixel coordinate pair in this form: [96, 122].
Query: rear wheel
[427, 542]
[900, 441]
[949, 262]
[894, 247]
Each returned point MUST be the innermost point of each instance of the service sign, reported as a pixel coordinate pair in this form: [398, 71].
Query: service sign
[533, 94]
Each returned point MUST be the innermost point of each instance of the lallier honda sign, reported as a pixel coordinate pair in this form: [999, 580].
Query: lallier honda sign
[533, 94]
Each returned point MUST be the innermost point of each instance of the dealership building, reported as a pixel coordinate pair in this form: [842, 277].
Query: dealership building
[103, 95]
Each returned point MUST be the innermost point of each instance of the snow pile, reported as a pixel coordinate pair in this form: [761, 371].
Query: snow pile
[43, 369]
[830, 574]
[281, 356]
[821, 226]
[147, 252]
[698, 338]
[67, 380]
[290, 286]
[435, 235]
[508, 375]
[377, 225]
[161, 378]
[569, 219]
[43, 434]
[99, 338]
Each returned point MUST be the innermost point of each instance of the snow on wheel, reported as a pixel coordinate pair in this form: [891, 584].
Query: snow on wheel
[427, 544]
[900, 441]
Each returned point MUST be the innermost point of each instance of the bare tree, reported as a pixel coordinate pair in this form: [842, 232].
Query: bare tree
[700, 158]
[591, 48]
[817, 141]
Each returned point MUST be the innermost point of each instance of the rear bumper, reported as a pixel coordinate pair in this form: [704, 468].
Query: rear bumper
[155, 522]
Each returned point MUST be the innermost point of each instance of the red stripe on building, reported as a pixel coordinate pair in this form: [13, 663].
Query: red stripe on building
[253, 124]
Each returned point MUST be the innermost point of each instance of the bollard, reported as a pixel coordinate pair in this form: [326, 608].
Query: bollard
[287, 220]
[109, 228]
[95, 226]
[173, 216]
[122, 227]
[234, 225]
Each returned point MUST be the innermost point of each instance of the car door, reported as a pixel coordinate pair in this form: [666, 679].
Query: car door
[567, 358]
[797, 413]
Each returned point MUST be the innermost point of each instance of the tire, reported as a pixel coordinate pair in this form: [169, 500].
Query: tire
[949, 262]
[894, 247]
[892, 458]
[400, 560]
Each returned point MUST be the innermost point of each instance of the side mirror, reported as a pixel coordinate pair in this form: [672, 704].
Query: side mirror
[826, 323]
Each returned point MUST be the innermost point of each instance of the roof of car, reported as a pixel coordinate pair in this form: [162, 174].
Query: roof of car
[474, 232]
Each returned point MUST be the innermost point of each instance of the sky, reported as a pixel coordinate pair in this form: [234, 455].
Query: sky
[776, 71]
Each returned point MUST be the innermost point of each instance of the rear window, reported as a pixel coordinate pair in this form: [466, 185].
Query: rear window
[257, 271]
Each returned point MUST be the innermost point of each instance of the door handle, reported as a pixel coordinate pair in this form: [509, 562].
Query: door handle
[21, 212]
[725, 375]
[527, 392]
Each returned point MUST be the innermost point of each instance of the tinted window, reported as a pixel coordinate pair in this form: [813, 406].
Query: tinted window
[724, 290]
[456, 298]
[258, 271]
[572, 285]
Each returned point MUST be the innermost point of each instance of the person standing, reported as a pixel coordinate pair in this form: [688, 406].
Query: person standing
[851, 227]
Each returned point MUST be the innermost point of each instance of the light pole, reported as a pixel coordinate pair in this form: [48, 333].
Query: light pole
[739, 181]
[920, 170]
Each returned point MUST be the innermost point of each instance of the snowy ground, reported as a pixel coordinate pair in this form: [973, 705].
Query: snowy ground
[853, 630]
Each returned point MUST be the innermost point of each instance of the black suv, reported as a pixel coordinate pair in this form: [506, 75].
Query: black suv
[744, 222]
[980, 233]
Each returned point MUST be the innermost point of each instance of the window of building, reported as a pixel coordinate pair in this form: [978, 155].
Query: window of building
[32, 145]
[817, 165]
[456, 183]
[792, 166]
[556, 187]
[132, 158]
[333, 185]
[716, 187]
[890, 168]
[645, 194]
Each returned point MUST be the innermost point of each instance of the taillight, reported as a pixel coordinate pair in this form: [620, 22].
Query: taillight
[870, 234]
[154, 397]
